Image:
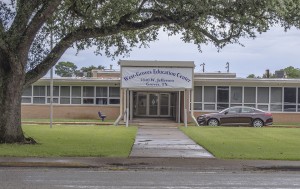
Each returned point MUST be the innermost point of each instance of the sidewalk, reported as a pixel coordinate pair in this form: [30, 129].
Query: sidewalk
[166, 141]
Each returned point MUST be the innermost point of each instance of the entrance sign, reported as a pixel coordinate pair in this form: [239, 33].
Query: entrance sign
[157, 77]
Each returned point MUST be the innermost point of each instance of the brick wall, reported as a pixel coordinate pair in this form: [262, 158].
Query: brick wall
[69, 112]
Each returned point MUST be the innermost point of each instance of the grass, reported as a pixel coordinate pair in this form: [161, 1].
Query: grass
[287, 124]
[247, 142]
[77, 141]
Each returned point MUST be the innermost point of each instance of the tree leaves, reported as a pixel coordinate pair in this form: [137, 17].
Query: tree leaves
[117, 26]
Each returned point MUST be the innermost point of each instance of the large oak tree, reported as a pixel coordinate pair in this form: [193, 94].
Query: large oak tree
[114, 26]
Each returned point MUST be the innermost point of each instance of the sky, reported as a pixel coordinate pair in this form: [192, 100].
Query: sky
[273, 50]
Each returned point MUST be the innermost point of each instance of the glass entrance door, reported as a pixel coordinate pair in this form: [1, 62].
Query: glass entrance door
[164, 104]
[151, 104]
[141, 104]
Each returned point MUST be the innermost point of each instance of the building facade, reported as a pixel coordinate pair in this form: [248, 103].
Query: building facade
[164, 89]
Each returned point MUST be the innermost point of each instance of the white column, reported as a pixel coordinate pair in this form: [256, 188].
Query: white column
[127, 107]
[131, 105]
[185, 110]
[179, 106]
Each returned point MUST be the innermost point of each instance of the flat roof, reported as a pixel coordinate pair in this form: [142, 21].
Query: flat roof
[156, 63]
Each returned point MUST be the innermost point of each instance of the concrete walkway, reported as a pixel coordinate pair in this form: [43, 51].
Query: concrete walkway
[166, 141]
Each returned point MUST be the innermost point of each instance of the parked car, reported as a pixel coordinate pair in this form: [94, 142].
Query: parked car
[239, 115]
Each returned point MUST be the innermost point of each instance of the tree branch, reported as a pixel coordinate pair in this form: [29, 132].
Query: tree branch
[24, 10]
[36, 23]
[82, 33]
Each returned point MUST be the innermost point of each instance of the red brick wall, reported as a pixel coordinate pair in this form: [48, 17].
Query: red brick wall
[69, 111]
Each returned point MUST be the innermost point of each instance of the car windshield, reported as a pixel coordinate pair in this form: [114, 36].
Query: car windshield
[225, 110]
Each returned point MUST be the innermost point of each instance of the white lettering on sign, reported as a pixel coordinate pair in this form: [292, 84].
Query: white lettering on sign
[149, 77]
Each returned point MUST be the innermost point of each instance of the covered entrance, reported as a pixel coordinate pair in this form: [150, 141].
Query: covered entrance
[153, 104]
[156, 89]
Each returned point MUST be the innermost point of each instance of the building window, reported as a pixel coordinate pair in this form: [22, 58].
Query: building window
[65, 95]
[55, 94]
[39, 93]
[88, 95]
[101, 95]
[298, 99]
[222, 98]
[197, 98]
[26, 95]
[289, 99]
[209, 98]
[114, 95]
[76, 95]
[236, 96]
[263, 98]
[276, 99]
[250, 96]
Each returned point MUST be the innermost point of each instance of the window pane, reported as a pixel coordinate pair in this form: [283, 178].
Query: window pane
[298, 97]
[276, 95]
[209, 94]
[197, 94]
[65, 91]
[39, 91]
[223, 94]
[76, 101]
[289, 95]
[101, 91]
[250, 105]
[88, 91]
[209, 107]
[26, 100]
[101, 100]
[76, 91]
[88, 101]
[222, 106]
[276, 107]
[263, 107]
[27, 91]
[114, 101]
[236, 94]
[64, 100]
[114, 91]
[249, 95]
[232, 105]
[263, 94]
[289, 108]
[39, 100]
[55, 100]
[55, 91]
[197, 106]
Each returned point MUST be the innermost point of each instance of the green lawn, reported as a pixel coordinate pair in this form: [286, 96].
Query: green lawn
[105, 141]
[248, 142]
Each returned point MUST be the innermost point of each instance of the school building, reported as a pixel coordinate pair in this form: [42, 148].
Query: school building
[159, 89]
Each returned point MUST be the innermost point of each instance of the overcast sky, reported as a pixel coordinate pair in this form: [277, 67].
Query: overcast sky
[273, 50]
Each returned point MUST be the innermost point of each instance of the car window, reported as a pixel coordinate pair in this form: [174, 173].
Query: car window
[234, 110]
[247, 110]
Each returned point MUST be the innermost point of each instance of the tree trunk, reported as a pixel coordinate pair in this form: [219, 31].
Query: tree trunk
[11, 86]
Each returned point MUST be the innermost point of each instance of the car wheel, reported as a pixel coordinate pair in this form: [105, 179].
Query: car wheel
[257, 123]
[213, 122]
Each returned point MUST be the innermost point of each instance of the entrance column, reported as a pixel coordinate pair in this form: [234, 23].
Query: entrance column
[185, 109]
[179, 107]
[131, 105]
